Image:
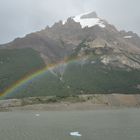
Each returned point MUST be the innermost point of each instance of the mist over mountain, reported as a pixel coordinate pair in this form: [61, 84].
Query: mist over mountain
[19, 18]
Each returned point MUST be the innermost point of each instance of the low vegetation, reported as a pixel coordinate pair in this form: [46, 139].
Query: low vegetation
[16, 64]
[82, 78]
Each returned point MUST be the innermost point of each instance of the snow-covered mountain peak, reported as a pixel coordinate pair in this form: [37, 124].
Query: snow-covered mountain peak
[88, 19]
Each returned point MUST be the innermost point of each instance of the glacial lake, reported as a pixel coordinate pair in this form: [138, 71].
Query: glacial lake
[110, 124]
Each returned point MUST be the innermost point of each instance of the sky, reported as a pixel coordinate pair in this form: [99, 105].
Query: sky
[21, 17]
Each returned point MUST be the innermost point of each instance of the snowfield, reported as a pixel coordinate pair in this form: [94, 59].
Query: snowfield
[87, 22]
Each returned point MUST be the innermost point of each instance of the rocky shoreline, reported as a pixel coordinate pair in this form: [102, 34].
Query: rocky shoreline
[81, 102]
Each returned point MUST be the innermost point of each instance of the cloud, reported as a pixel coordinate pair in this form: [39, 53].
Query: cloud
[19, 17]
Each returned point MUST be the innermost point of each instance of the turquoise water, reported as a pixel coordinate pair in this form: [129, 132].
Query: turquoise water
[93, 125]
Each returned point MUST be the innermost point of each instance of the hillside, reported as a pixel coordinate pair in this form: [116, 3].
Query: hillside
[16, 64]
[98, 59]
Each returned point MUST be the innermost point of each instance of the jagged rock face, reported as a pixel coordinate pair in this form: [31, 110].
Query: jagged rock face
[121, 61]
[131, 37]
[98, 37]
[97, 43]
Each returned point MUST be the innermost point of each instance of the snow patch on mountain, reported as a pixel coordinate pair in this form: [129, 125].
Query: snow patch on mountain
[127, 37]
[64, 21]
[86, 21]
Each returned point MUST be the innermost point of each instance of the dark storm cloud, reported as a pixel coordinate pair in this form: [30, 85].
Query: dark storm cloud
[19, 17]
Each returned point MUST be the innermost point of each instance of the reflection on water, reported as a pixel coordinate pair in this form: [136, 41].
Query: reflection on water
[93, 125]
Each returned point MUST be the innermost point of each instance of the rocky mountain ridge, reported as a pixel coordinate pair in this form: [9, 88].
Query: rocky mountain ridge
[97, 58]
[59, 41]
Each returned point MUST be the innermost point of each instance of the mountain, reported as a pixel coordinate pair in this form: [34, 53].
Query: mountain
[105, 60]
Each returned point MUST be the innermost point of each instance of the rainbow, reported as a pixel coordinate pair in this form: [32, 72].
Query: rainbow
[33, 76]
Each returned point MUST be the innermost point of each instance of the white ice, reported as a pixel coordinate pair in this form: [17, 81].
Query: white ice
[77, 134]
[37, 115]
[87, 22]
[127, 37]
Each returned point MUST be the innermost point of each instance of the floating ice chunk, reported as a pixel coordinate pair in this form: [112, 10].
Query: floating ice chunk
[37, 115]
[77, 134]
